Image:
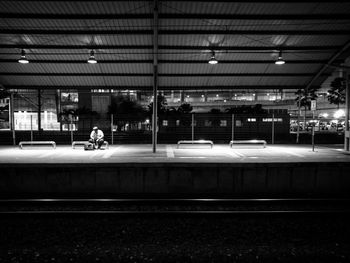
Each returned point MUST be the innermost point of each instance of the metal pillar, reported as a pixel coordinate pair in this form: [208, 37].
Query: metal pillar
[273, 129]
[233, 127]
[313, 131]
[31, 128]
[298, 121]
[192, 127]
[12, 119]
[155, 75]
[71, 130]
[347, 112]
[112, 135]
[39, 110]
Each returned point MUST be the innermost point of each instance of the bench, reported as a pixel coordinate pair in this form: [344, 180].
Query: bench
[37, 143]
[248, 142]
[85, 142]
[198, 142]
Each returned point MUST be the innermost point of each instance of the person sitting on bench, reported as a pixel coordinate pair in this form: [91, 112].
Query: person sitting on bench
[96, 137]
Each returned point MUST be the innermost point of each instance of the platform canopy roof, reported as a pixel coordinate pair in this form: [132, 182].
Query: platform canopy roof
[246, 36]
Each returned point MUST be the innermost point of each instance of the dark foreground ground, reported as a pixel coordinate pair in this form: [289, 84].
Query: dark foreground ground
[175, 239]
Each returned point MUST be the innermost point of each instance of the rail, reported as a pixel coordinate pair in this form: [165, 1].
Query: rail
[220, 207]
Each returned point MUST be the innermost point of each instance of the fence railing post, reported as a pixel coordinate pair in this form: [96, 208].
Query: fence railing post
[232, 127]
[71, 131]
[31, 127]
[112, 129]
[12, 119]
[192, 126]
[273, 129]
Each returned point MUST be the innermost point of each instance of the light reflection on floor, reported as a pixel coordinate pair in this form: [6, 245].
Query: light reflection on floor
[170, 153]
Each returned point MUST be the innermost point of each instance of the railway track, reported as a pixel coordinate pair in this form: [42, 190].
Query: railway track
[175, 206]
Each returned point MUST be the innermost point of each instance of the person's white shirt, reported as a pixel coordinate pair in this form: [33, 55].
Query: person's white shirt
[96, 135]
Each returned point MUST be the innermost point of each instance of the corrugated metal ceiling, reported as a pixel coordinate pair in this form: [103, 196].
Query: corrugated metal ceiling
[78, 7]
[132, 53]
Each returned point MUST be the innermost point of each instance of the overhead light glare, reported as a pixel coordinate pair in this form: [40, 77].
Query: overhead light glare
[339, 113]
[280, 60]
[92, 59]
[213, 60]
[23, 59]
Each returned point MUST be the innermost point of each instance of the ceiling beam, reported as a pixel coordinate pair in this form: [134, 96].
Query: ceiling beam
[138, 61]
[345, 48]
[169, 32]
[75, 47]
[199, 1]
[53, 16]
[257, 1]
[155, 75]
[187, 47]
[279, 16]
[43, 74]
[255, 32]
[149, 88]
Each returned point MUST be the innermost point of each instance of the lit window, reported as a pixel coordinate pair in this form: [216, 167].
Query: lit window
[223, 123]
[251, 120]
[177, 122]
[270, 120]
[267, 120]
[165, 122]
[207, 123]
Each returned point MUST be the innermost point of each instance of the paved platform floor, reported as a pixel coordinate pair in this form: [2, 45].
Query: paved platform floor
[142, 153]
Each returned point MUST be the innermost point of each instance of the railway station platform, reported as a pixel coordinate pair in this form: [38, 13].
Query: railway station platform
[134, 169]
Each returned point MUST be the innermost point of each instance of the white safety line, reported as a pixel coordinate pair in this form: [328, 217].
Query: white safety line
[238, 153]
[110, 152]
[233, 154]
[95, 153]
[169, 152]
[47, 154]
[62, 153]
[293, 153]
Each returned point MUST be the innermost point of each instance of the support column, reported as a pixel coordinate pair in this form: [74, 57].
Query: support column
[347, 112]
[39, 110]
[155, 75]
[232, 127]
[273, 129]
[12, 118]
[138, 96]
[298, 120]
[182, 96]
[192, 123]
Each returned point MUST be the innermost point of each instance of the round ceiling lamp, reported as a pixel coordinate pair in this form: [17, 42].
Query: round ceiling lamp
[23, 59]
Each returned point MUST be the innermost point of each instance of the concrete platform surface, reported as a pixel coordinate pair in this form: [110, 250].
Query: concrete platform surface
[170, 154]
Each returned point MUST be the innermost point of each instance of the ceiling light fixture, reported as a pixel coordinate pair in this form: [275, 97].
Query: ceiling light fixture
[213, 60]
[23, 59]
[280, 60]
[92, 59]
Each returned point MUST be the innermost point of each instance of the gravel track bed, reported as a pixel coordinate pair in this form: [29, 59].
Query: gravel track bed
[128, 207]
[139, 239]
